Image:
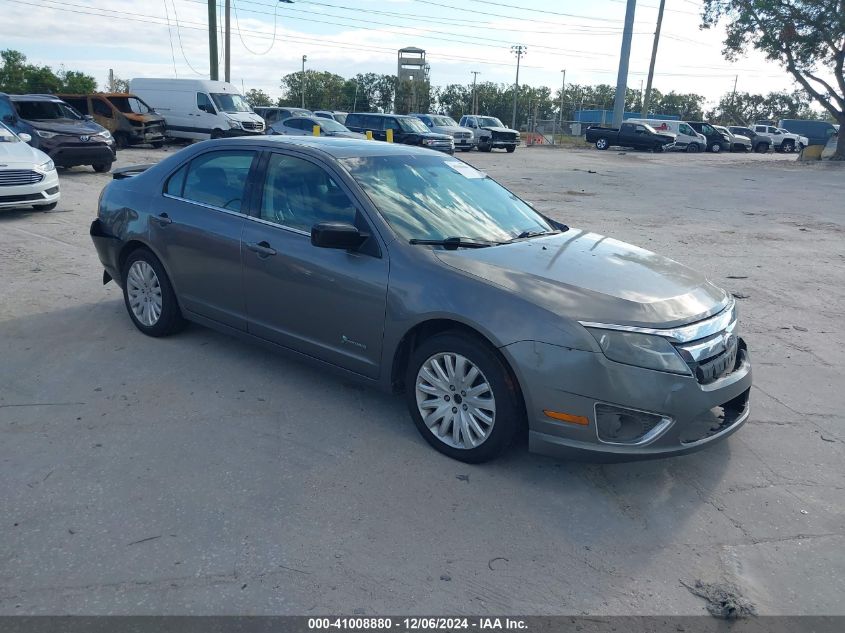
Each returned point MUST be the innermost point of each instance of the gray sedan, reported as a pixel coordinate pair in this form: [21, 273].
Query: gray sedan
[412, 271]
[304, 126]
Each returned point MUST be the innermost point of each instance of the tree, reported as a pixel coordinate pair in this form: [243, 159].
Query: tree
[806, 36]
[257, 98]
[75, 82]
[18, 77]
[743, 108]
[13, 72]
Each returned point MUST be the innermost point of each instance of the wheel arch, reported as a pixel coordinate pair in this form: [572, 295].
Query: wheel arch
[135, 244]
[430, 327]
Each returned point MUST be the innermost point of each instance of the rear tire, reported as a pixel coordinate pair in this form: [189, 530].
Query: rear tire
[145, 284]
[787, 147]
[762, 148]
[496, 408]
[102, 168]
[602, 144]
[216, 134]
[716, 147]
[157, 144]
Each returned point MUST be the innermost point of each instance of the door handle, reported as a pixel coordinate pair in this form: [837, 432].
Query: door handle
[262, 249]
[163, 219]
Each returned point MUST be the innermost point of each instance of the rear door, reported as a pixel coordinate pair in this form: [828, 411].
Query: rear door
[326, 303]
[196, 227]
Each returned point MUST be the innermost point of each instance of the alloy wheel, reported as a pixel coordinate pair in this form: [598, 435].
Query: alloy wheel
[144, 291]
[455, 400]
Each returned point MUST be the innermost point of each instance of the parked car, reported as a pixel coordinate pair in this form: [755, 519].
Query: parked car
[490, 133]
[304, 126]
[126, 116]
[27, 175]
[760, 143]
[632, 135]
[410, 270]
[782, 140]
[273, 114]
[464, 138]
[337, 115]
[407, 130]
[199, 108]
[716, 141]
[686, 138]
[738, 142]
[63, 133]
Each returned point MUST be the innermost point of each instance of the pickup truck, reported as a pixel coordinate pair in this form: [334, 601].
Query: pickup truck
[633, 135]
[490, 133]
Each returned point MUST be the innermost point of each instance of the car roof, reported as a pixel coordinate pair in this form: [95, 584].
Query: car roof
[331, 146]
[385, 114]
[34, 98]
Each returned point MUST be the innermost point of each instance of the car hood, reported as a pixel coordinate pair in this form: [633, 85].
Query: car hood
[589, 277]
[144, 118]
[20, 155]
[450, 129]
[349, 134]
[498, 129]
[435, 135]
[68, 126]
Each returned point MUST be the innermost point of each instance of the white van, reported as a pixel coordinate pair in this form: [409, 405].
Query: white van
[199, 108]
[686, 137]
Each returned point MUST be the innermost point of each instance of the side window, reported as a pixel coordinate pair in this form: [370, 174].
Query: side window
[6, 111]
[298, 194]
[685, 129]
[204, 103]
[101, 108]
[219, 179]
[176, 182]
[298, 123]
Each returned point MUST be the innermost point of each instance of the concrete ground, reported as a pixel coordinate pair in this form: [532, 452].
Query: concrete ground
[202, 475]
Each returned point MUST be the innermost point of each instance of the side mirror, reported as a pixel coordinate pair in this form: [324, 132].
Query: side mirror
[26, 138]
[87, 117]
[337, 235]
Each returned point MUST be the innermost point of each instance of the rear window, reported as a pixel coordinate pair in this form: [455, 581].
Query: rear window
[218, 179]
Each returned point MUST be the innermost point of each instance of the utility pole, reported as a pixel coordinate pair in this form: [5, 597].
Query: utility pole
[624, 56]
[227, 40]
[562, 88]
[304, 59]
[647, 98]
[733, 102]
[475, 74]
[212, 40]
[519, 50]
[111, 80]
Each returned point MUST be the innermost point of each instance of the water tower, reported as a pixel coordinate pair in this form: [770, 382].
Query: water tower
[410, 71]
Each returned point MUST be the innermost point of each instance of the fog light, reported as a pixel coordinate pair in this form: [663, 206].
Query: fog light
[618, 425]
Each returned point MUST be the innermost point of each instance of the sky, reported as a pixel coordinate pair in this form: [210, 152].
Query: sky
[168, 38]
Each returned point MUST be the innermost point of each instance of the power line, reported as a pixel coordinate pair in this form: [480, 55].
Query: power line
[170, 36]
[179, 34]
[238, 27]
[513, 17]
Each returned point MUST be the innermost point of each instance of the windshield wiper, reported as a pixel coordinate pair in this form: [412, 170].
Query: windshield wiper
[451, 243]
[529, 233]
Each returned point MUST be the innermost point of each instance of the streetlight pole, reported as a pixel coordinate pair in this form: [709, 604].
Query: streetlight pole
[647, 98]
[562, 88]
[475, 74]
[624, 57]
[519, 50]
[304, 59]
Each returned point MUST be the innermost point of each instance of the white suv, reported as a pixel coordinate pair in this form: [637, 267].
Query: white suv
[782, 140]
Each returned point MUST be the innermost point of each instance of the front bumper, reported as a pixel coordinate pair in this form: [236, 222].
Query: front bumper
[575, 382]
[81, 154]
[466, 143]
[46, 191]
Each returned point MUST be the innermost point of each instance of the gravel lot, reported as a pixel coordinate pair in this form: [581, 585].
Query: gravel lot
[199, 474]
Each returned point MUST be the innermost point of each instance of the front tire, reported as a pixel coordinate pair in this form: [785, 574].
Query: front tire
[462, 398]
[716, 148]
[102, 168]
[762, 148]
[511, 149]
[148, 295]
[692, 148]
[787, 147]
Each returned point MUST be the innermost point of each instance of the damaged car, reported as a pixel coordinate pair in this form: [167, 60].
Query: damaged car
[129, 119]
[409, 270]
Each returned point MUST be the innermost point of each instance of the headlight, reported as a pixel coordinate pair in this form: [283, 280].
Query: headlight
[45, 134]
[428, 141]
[641, 350]
[105, 134]
[234, 124]
[48, 166]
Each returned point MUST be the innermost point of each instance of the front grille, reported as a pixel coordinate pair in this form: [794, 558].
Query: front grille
[505, 136]
[463, 135]
[715, 420]
[252, 125]
[17, 177]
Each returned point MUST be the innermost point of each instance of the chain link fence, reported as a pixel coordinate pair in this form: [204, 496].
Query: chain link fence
[554, 131]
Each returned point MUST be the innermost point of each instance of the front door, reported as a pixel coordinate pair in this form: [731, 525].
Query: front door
[197, 228]
[326, 303]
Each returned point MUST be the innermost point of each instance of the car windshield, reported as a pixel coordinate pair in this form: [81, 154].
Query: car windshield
[649, 128]
[230, 102]
[46, 110]
[434, 198]
[489, 121]
[412, 125]
[444, 121]
[7, 136]
[130, 105]
[330, 125]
